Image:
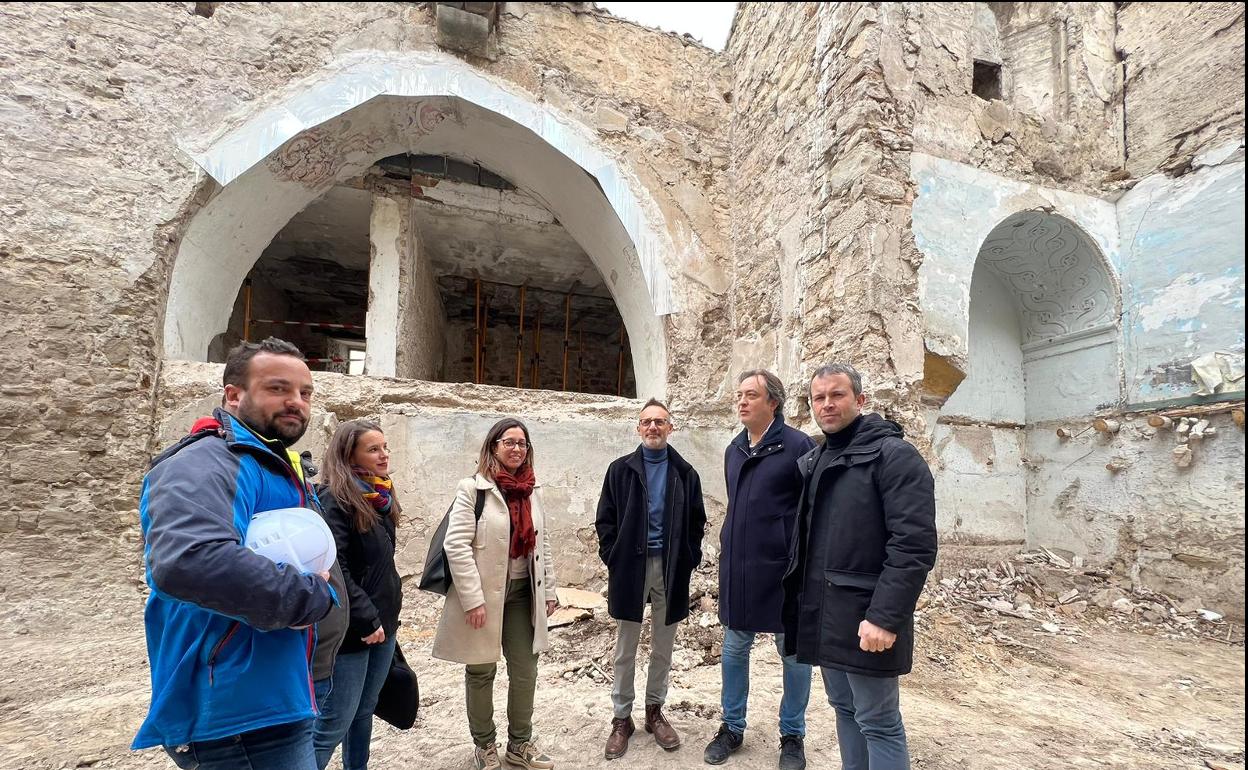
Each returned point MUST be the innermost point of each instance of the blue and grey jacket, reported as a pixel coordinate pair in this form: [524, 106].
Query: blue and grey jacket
[224, 656]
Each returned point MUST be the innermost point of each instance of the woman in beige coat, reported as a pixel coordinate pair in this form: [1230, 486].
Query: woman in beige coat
[502, 591]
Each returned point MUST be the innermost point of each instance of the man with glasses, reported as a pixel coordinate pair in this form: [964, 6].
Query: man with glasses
[650, 523]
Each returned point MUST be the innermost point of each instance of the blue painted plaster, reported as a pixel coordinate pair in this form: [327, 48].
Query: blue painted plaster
[1183, 243]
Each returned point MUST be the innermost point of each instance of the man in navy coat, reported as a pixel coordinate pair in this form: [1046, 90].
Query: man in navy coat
[764, 487]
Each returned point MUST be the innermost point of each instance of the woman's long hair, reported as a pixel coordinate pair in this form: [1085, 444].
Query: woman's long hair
[487, 463]
[342, 481]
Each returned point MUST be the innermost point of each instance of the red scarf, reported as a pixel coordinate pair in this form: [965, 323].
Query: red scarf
[516, 490]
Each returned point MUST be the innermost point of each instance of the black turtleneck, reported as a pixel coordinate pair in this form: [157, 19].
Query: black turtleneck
[836, 443]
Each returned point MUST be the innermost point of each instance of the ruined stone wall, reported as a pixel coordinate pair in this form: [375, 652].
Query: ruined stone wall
[435, 432]
[1059, 118]
[1121, 499]
[104, 93]
[1184, 81]
[774, 127]
[821, 200]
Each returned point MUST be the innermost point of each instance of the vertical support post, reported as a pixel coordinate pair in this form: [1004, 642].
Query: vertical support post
[535, 374]
[520, 344]
[476, 336]
[580, 361]
[246, 310]
[567, 332]
[485, 336]
[619, 369]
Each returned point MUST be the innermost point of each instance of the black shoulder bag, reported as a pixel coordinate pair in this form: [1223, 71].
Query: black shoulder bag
[437, 575]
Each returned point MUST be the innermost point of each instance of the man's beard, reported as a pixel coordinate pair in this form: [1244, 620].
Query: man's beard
[272, 428]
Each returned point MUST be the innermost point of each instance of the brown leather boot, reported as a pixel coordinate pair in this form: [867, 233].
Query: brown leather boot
[664, 734]
[617, 742]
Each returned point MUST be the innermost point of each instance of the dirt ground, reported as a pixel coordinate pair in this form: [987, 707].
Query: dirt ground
[74, 688]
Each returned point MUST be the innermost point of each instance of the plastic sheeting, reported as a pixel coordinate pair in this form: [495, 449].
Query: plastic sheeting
[1218, 372]
[362, 76]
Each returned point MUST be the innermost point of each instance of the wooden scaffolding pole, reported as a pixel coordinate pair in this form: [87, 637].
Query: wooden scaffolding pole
[567, 338]
[619, 370]
[485, 337]
[520, 345]
[535, 372]
[476, 336]
[246, 310]
[580, 360]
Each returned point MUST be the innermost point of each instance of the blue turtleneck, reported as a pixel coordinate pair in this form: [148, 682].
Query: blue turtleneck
[656, 495]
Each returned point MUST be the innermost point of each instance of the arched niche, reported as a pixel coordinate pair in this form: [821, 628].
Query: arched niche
[377, 105]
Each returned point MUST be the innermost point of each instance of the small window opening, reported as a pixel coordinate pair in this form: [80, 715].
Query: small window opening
[986, 82]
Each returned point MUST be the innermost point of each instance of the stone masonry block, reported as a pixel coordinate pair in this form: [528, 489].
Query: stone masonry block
[463, 31]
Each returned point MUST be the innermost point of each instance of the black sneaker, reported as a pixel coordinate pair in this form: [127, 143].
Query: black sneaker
[792, 753]
[724, 743]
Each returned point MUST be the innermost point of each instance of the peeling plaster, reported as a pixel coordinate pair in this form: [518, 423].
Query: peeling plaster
[956, 209]
[1182, 301]
[1183, 246]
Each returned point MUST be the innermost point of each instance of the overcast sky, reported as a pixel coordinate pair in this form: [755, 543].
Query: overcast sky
[708, 22]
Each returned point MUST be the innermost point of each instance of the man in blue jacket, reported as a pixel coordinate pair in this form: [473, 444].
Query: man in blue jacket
[229, 632]
[764, 487]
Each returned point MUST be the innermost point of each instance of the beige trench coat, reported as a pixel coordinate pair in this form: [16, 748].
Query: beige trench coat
[477, 558]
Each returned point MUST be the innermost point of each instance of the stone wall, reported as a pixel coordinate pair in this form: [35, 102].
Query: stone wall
[781, 179]
[435, 432]
[1184, 81]
[1121, 499]
[421, 317]
[1059, 116]
[109, 92]
[822, 129]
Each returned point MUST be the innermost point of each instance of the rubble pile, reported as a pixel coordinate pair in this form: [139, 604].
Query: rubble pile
[1062, 597]
[1033, 595]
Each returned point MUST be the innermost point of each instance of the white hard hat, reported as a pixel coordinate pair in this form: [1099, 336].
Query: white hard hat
[295, 536]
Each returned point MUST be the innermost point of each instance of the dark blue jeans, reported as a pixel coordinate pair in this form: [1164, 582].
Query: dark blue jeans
[283, 747]
[347, 709]
[868, 721]
[735, 676]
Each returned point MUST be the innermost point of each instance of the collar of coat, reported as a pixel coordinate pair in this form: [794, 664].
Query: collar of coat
[637, 461]
[774, 434]
[864, 447]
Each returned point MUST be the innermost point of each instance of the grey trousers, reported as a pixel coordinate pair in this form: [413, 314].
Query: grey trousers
[662, 638]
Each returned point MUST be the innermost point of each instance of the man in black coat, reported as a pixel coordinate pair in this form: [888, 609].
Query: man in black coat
[866, 540]
[650, 523]
[764, 486]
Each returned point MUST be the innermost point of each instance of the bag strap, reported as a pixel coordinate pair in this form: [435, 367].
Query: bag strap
[479, 505]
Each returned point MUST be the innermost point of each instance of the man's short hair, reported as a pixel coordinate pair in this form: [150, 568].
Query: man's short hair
[775, 388]
[827, 370]
[658, 403]
[238, 360]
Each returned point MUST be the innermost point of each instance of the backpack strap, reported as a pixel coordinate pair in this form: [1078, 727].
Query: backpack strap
[479, 505]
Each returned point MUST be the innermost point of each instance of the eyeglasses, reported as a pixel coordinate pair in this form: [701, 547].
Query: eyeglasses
[657, 422]
[511, 443]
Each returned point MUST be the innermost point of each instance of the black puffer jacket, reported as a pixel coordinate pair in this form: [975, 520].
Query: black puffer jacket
[367, 559]
[866, 540]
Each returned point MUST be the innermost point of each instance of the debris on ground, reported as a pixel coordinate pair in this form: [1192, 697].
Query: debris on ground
[1061, 597]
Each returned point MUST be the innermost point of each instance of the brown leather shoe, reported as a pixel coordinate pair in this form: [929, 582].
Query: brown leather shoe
[617, 742]
[664, 734]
